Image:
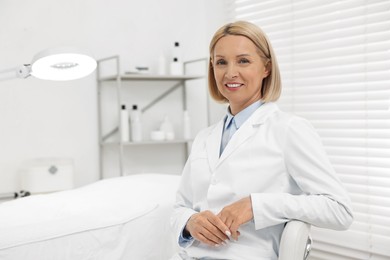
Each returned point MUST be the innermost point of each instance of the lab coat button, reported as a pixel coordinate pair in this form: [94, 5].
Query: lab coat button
[213, 181]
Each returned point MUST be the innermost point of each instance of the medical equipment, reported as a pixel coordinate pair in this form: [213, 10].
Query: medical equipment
[41, 175]
[62, 63]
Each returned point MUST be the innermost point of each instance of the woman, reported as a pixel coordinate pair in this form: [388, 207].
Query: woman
[256, 169]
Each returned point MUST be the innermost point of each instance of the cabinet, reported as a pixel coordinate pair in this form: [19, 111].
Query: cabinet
[119, 82]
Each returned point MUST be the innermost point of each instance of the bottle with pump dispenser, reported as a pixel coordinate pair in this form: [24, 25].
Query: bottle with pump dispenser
[136, 124]
[124, 124]
[176, 66]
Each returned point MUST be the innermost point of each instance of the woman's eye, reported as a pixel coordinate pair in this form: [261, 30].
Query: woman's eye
[242, 61]
[221, 62]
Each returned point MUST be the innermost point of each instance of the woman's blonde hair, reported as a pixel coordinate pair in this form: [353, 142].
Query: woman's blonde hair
[272, 85]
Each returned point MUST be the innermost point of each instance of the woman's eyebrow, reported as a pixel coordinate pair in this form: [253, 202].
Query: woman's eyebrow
[243, 55]
[239, 55]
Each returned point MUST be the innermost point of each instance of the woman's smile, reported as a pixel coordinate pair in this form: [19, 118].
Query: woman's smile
[233, 85]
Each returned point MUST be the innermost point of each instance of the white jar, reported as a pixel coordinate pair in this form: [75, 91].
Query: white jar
[157, 135]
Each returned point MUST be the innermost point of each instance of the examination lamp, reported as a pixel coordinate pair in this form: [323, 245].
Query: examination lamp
[56, 64]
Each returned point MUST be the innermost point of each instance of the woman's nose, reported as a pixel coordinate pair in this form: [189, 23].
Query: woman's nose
[231, 71]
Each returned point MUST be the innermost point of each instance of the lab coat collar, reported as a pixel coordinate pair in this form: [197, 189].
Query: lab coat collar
[249, 128]
[262, 114]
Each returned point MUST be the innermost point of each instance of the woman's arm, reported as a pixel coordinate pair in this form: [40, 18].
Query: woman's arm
[322, 200]
[183, 207]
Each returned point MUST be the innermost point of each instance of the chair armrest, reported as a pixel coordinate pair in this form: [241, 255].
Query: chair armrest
[295, 243]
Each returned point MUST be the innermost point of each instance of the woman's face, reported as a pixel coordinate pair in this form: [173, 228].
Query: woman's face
[239, 71]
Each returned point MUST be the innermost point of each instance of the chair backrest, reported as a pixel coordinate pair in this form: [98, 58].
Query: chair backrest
[295, 243]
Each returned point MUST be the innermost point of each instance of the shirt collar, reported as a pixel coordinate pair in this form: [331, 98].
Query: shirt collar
[242, 116]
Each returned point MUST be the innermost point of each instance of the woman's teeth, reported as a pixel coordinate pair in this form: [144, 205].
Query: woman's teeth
[233, 85]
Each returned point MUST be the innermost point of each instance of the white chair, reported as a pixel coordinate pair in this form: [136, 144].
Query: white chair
[295, 243]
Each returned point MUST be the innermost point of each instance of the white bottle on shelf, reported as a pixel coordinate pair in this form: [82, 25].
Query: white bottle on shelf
[186, 125]
[124, 124]
[176, 65]
[167, 128]
[176, 52]
[136, 124]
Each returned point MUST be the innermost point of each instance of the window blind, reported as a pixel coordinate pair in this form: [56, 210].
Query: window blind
[334, 58]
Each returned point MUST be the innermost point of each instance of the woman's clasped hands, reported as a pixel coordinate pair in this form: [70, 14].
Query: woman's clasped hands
[215, 230]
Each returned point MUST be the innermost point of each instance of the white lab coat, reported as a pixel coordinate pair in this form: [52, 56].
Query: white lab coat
[278, 160]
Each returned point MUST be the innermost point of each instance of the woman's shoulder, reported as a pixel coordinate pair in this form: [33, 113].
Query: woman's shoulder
[283, 118]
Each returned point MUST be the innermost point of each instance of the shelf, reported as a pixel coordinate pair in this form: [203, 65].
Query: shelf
[151, 77]
[171, 84]
[149, 142]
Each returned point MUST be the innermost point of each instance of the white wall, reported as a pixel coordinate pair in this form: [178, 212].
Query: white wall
[59, 119]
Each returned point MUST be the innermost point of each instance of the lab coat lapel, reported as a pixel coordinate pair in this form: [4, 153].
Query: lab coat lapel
[249, 128]
[239, 137]
[213, 144]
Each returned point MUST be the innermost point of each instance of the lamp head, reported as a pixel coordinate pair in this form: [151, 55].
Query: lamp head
[62, 64]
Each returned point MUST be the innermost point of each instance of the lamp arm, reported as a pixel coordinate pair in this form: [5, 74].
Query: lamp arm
[22, 71]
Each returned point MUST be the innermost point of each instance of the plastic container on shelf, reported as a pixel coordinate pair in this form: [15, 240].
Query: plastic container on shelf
[176, 65]
[157, 135]
[124, 124]
[176, 52]
[136, 124]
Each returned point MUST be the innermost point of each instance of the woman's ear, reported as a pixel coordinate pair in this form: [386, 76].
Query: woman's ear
[267, 69]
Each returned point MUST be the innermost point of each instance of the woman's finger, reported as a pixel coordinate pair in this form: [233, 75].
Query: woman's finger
[223, 229]
[203, 226]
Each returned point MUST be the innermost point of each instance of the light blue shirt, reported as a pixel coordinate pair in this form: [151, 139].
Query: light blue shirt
[231, 125]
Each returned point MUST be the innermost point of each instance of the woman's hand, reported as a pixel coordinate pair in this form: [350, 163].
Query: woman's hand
[207, 228]
[236, 214]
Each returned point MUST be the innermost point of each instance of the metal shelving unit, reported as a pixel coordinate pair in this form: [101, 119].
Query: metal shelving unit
[120, 79]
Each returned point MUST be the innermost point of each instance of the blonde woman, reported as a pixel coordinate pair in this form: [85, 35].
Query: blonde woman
[258, 167]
